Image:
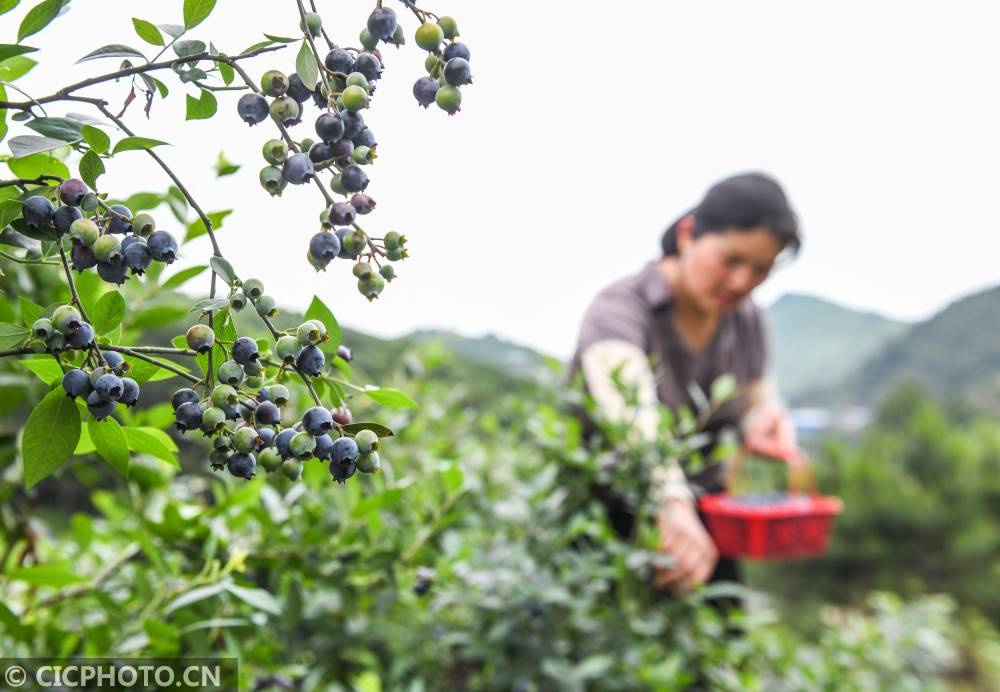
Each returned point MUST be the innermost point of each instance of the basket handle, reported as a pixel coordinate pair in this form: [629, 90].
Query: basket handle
[799, 468]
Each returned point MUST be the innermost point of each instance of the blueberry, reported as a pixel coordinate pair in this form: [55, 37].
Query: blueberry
[285, 110]
[275, 151]
[297, 90]
[223, 395]
[324, 444]
[84, 232]
[245, 350]
[109, 387]
[115, 361]
[99, 408]
[56, 342]
[298, 169]
[108, 249]
[66, 319]
[282, 441]
[253, 369]
[71, 191]
[130, 392]
[219, 458]
[369, 463]
[42, 328]
[345, 252]
[143, 224]
[90, 202]
[237, 301]
[362, 203]
[185, 395]
[355, 98]
[162, 246]
[286, 348]
[342, 415]
[113, 272]
[64, 217]
[353, 178]
[457, 72]
[429, 36]
[329, 127]
[424, 90]
[354, 123]
[131, 240]
[311, 332]
[449, 26]
[252, 108]
[230, 373]
[82, 257]
[317, 421]
[200, 338]
[365, 138]
[272, 180]
[242, 465]
[291, 469]
[345, 353]
[253, 288]
[456, 50]
[265, 437]
[274, 83]
[244, 440]
[341, 149]
[342, 471]
[354, 241]
[366, 440]
[270, 459]
[339, 60]
[371, 286]
[362, 269]
[82, 337]
[119, 225]
[312, 23]
[368, 65]
[213, 420]
[38, 211]
[382, 22]
[310, 361]
[324, 245]
[278, 393]
[367, 39]
[319, 95]
[302, 445]
[265, 306]
[137, 257]
[449, 99]
[267, 413]
[320, 151]
[387, 271]
[342, 214]
[76, 383]
[232, 412]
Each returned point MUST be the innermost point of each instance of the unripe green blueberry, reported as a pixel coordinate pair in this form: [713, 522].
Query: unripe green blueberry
[306, 144]
[224, 395]
[362, 269]
[90, 202]
[394, 254]
[253, 288]
[302, 445]
[253, 368]
[108, 248]
[270, 459]
[307, 334]
[369, 462]
[278, 393]
[143, 224]
[392, 239]
[200, 338]
[367, 40]
[213, 420]
[84, 232]
[237, 301]
[358, 79]
[274, 83]
[387, 271]
[354, 242]
[324, 218]
[371, 286]
[285, 110]
[312, 23]
[287, 348]
[449, 99]
[56, 342]
[449, 26]
[291, 469]
[253, 381]
[42, 328]
[66, 319]
[231, 373]
[362, 155]
[218, 459]
[367, 441]
[245, 440]
[265, 306]
[429, 36]
[355, 98]
[433, 64]
[272, 180]
[337, 186]
[222, 443]
[275, 152]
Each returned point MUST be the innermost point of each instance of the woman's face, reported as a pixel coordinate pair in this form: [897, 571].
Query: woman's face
[721, 269]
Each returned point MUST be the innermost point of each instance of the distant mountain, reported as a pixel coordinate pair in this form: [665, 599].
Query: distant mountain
[955, 352]
[817, 343]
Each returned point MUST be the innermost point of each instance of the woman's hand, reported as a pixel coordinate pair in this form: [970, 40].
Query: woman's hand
[769, 432]
[683, 537]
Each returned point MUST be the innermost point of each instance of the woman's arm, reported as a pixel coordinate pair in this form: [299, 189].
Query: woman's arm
[767, 428]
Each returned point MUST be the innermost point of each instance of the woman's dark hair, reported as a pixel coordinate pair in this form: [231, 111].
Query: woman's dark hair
[741, 202]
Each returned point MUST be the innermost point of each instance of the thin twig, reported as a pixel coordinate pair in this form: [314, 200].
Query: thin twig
[79, 305]
[166, 366]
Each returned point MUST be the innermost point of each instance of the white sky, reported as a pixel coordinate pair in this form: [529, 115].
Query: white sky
[586, 132]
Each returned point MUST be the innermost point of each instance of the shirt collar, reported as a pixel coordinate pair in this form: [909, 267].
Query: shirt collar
[654, 286]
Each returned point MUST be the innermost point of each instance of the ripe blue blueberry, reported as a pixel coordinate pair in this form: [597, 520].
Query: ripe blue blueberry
[200, 338]
[344, 450]
[324, 445]
[297, 169]
[71, 191]
[424, 90]
[341, 149]
[343, 214]
[320, 151]
[310, 361]
[137, 256]
[317, 421]
[64, 217]
[342, 471]
[99, 408]
[265, 437]
[117, 224]
[339, 60]
[242, 465]
[297, 90]
[115, 272]
[109, 387]
[353, 178]
[82, 257]
[232, 412]
[130, 392]
[162, 246]
[365, 138]
[252, 108]
[368, 65]
[325, 245]
[457, 50]
[115, 361]
[245, 350]
[185, 395]
[381, 23]
[354, 123]
[267, 413]
[37, 211]
[282, 441]
[76, 383]
[82, 337]
[457, 72]
[329, 127]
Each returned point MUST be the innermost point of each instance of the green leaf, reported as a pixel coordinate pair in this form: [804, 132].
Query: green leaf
[183, 276]
[161, 87]
[135, 143]
[211, 624]
[390, 398]
[305, 65]
[7, 5]
[29, 311]
[14, 67]
[157, 316]
[222, 267]
[196, 11]
[143, 200]
[12, 335]
[258, 598]
[4, 128]
[203, 107]
[185, 49]
[113, 50]
[109, 312]
[142, 441]
[110, 441]
[57, 128]
[45, 575]
[380, 430]
[319, 311]
[91, 168]
[26, 145]
[50, 436]
[197, 227]
[10, 209]
[143, 371]
[36, 165]
[96, 138]
[194, 595]
[8, 50]
[174, 30]
[147, 31]
[224, 166]
[227, 73]
[45, 368]
[38, 17]
[279, 39]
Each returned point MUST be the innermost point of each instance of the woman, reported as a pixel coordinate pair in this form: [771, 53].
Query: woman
[680, 322]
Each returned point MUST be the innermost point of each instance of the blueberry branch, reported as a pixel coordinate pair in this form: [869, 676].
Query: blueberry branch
[79, 305]
[166, 366]
[26, 260]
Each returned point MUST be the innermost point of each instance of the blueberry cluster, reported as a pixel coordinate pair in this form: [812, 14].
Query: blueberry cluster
[447, 66]
[252, 290]
[93, 231]
[65, 330]
[103, 387]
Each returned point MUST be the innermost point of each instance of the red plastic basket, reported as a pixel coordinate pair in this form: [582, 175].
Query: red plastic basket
[799, 525]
